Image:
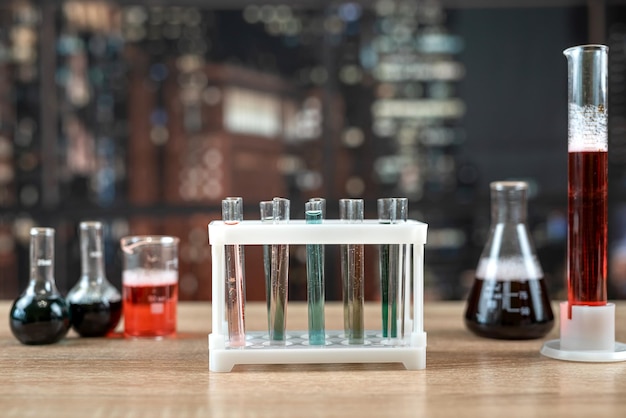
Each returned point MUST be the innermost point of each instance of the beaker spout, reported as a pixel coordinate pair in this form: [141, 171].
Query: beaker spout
[130, 244]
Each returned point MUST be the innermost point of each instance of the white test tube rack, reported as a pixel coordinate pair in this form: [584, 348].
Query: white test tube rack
[410, 350]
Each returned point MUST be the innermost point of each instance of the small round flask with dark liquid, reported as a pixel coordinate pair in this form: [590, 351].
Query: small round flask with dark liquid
[40, 315]
[509, 298]
[95, 304]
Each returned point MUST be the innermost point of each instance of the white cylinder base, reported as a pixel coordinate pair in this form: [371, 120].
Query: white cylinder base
[589, 335]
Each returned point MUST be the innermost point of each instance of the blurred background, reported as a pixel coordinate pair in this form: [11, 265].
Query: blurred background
[144, 114]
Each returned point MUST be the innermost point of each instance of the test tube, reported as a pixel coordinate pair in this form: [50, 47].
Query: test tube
[587, 174]
[404, 266]
[279, 276]
[388, 266]
[314, 214]
[395, 294]
[232, 214]
[352, 273]
[267, 216]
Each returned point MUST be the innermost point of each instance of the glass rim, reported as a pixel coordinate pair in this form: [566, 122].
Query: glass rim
[509, 185]
[586, 48]
[130, 242]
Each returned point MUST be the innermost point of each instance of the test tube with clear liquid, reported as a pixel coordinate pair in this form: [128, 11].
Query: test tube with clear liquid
[232, 214]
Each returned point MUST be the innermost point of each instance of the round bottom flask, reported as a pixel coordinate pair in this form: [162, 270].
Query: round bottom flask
[509, 298]
[95, 304]
[40, 315]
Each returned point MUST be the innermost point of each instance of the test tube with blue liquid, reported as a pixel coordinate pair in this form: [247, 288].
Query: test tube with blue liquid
[352, 273]
[232, 214]
[314, 214]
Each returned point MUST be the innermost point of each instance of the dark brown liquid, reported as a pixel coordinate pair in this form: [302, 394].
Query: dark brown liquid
[508, 309]
[95, 319]
[587, 228]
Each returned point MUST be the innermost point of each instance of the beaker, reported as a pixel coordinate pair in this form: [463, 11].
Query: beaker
[509, 299]
[150, 285]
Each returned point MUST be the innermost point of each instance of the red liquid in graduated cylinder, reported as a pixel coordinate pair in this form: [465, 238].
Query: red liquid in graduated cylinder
[150, 301]
[587, 239]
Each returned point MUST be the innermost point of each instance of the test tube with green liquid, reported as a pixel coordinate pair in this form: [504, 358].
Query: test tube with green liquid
[388, 263]
[352, 273]
[314, 214]
[392, 269]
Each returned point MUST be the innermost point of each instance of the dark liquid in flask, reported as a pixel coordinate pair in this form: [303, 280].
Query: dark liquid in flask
[95, 319]
[587, 226]
[509, 309]
[39, 320]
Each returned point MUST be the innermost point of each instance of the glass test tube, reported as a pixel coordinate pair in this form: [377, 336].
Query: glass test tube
[388, 264]
[352, 272]
[232, 214]
[279, 276]
[393, 275]
[587, 174]
[314, 214]
[404, 266]
[267, 215]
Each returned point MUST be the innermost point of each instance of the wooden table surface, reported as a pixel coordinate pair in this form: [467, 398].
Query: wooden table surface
[465, 376]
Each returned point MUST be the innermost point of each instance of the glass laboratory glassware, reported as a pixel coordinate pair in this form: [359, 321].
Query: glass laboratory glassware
[314, 214]
[279, 277]
[266, 208]
[392, 269]
[509, 298]
[40, 315]
[150, 285]
[95, 304]
[352, 274]
[587, 319]
[587, 175]
[232, 214]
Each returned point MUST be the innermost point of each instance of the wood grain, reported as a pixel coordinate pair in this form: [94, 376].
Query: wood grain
[465, 376]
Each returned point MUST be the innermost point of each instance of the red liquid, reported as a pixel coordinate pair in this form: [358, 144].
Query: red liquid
[150, 310]
[587, 228]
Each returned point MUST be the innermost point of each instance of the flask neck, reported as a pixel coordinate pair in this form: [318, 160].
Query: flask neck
[91, 253]
[508, 205]
[42, 261]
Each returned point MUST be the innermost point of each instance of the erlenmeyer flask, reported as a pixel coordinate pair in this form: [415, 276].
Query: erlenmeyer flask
[509, 299]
